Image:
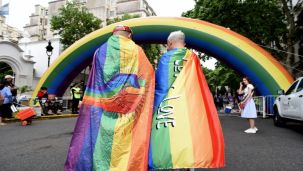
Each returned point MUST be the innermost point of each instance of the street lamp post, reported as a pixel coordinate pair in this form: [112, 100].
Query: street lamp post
[49, 51]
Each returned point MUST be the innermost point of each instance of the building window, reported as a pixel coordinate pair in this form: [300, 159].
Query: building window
[112, 13]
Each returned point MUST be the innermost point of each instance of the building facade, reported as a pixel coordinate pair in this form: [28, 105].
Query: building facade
[38, 25]
[25, 52]
[21, 64]
[9, 33]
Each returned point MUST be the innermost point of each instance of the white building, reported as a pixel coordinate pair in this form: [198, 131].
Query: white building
[9, 33]
[39, 25]
[39, 32]
[21, 64]
[26, 52]
[37, 49]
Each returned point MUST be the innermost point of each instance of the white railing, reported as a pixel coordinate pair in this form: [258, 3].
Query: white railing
[265, 105]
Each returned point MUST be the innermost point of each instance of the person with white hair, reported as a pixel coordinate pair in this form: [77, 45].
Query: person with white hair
[176, 39]
[180, 109]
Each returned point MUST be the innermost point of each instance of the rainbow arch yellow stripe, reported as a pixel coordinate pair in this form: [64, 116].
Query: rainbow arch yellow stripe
[237, 51]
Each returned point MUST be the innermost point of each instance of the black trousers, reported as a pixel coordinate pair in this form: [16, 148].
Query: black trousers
[6, 111]
[75, 104]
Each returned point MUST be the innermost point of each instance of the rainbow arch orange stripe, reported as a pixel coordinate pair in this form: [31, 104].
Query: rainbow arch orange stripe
[237, 51]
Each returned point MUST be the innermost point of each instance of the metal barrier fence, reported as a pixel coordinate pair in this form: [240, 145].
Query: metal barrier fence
[25, 102]
[65, 100]
[265, 105]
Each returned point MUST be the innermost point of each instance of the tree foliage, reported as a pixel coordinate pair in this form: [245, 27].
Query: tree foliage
[262, 21]
[294, 33]
[74, 22]
[122, 18]
[222, 76]
[152, 51]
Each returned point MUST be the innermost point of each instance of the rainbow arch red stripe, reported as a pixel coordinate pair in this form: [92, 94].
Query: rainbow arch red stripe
[237, 51]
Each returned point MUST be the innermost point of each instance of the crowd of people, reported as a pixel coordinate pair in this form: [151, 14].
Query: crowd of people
[49, 102]
[242, 102]
[8, 98]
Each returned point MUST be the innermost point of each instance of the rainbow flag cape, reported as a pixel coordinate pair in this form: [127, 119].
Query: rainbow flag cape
[113, 128]
[186, 132]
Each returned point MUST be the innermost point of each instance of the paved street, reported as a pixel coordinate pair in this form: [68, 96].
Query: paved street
[43, 145]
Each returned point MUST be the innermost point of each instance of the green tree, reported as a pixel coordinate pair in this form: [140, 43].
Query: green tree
[262, 21]
[259, 20]
[222, 76]
[74, 22]
[289, 9]
[152, 51]
[122, 18]
[269, 23]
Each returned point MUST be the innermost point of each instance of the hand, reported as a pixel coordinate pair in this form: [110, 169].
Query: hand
[241, 105]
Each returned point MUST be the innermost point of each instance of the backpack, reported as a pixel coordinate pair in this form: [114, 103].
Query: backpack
[1, 99]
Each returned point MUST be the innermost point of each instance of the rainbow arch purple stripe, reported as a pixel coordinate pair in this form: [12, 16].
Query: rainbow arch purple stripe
[237, 51]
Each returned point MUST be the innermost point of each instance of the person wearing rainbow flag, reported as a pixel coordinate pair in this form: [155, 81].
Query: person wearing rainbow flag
[113, 128]
[186, 132]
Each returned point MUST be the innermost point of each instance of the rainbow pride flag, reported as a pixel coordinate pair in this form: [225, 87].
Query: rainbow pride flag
[186, 132]
[113, 128]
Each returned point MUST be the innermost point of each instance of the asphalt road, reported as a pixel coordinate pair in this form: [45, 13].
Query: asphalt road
[43, 145]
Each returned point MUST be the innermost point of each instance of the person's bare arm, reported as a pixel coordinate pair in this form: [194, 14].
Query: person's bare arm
[240, 90]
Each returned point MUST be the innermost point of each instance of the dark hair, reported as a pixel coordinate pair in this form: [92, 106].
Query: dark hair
[247, 79]
[6, 83]
[43, 88]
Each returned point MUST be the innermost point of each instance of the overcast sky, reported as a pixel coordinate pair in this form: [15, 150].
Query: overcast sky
[20, 10]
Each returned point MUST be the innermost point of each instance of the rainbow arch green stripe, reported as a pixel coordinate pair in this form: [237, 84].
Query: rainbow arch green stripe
[237, 51]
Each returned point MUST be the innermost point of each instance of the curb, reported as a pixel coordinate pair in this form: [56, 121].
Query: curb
[45, 117]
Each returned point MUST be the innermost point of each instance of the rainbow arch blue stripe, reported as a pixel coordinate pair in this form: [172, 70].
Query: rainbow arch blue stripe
[235, 50]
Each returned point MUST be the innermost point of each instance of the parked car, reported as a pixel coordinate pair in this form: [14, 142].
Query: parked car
[289, 105]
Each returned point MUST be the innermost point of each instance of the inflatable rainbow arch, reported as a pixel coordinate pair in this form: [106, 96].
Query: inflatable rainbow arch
[238, 52]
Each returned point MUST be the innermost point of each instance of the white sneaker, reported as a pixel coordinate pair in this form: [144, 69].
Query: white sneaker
[250, 131]
[256, 129]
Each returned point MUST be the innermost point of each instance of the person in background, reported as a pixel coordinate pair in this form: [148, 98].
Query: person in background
[121, 90]
[248, 105]
[76, 95]
[239, 97]
[9, 79]
[43, 99]
[6, 111]
[1, 103]
[174, 114]
[42, 93]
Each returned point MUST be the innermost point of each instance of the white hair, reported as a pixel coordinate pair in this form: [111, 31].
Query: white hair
[178, 36]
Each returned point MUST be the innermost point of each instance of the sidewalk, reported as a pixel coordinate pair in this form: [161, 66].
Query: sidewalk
[51, 116]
